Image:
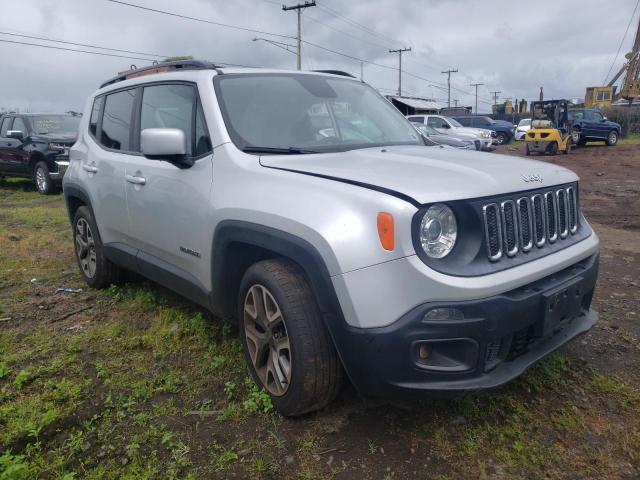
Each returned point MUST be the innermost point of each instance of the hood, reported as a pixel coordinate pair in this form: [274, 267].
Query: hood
[428, 174]
[69, 138]
[468, 131]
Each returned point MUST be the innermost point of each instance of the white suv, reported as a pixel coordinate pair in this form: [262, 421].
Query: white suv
[306, 208]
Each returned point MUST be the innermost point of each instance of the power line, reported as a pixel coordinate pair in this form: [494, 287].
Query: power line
[84, 45]
[621, 42]
[201, 20]
[360, 26]
[74, 50]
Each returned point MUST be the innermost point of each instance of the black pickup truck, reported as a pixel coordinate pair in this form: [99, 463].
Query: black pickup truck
[37, 146]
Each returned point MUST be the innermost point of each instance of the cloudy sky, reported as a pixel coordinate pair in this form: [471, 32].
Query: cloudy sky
[513, 47]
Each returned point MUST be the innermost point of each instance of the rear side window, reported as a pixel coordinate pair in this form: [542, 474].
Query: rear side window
[95, 112]
[169, 106]
[116, 121]
[5, 126]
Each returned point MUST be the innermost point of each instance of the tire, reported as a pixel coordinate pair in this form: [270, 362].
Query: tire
[295, 334]
[612, 138]
[575, 137]
[582, 142]
[568, 149]
[43, 181]
[528, 152]
[502, 138]
[97, 271]
[553, 148]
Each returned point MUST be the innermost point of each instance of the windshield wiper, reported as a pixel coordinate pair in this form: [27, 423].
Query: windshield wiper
[277, 150]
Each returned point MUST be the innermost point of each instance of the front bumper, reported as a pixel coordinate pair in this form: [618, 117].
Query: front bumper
[487, 144]
[538, 146]
[496, 341]
[62, 165]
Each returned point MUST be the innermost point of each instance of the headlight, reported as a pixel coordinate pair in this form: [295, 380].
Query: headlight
[56, 146]
[438, 231]
[485, 134]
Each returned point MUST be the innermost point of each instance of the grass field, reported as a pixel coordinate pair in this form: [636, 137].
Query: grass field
[133, 382]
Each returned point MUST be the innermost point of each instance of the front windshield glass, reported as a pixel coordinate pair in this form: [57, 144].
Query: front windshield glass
[525, 122]
[43, 124]
[453, 122]
[312, 113]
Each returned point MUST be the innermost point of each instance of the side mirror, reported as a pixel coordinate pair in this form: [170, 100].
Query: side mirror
[446, 125]
[605, 119]
[165, 144]
[17, 134]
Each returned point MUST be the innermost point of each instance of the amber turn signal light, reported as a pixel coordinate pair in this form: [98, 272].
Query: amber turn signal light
[385, 230]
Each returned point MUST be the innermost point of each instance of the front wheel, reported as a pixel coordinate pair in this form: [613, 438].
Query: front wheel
[41, 178]
[287, 347]
[501, 138]
[612, 138]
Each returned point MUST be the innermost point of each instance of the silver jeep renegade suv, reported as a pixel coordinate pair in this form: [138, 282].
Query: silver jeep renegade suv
[306, 208]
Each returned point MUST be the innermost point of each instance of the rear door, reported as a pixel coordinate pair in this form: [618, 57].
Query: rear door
[109, 148]
[169, 205]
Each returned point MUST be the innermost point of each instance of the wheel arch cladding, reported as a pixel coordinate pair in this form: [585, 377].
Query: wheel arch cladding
[238, 244]
[75, 197]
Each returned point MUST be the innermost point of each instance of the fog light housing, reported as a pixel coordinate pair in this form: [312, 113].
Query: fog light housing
[446, 355]
[443, 315]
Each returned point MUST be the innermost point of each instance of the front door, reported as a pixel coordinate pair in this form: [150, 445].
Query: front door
[9, 149]
[169, 205]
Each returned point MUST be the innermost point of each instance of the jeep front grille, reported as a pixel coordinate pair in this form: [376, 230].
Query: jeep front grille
[514, 226]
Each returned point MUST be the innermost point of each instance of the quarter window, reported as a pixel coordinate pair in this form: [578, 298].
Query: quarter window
[5, 126]
[95, 112]
[169, 106]
[116, 121]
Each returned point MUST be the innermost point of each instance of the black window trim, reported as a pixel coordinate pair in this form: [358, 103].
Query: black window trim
[9, 125]
[136, 112]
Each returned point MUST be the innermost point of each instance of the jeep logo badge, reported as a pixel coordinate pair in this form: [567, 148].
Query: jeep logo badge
[531, 177]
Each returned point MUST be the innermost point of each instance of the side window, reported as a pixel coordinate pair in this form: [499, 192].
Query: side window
[116, 121]
[5, 126]
[168, 106]
[597, 116]
[416, 119]
[466, 122]
[435, 122]
[18, 124]
[95, 111]
[203, 141]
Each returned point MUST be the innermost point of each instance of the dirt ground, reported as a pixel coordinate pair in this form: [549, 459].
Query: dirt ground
[133, 382]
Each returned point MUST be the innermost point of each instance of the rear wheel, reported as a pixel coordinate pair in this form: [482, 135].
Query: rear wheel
[612, 138]
[97, 271]
[568, 148]
[41, 178]
[287, 347]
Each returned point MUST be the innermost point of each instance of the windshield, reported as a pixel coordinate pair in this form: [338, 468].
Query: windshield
[525, 122]
[301, 113]
[43, 124]
[453, 122]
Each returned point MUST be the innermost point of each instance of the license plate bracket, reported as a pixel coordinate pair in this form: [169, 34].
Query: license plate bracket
[561, 304]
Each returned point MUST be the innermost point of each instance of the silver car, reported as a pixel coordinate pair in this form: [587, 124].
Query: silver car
[306, 209]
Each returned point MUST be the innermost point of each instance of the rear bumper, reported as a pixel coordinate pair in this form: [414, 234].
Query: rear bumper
[496, 341]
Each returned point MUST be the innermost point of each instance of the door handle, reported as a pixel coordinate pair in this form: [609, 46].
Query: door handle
[90, 168]
[135, 180]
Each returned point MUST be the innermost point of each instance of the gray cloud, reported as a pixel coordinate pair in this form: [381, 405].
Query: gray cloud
[509, 46]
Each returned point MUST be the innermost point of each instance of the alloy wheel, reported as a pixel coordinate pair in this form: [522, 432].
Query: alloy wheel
[613, 138]
[267, 340]
[85, 248]
[41, 179]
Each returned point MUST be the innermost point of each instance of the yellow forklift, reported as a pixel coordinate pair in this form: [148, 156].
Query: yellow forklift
[550, 131]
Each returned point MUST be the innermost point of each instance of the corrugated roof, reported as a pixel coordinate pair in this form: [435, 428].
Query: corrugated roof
[418, 103]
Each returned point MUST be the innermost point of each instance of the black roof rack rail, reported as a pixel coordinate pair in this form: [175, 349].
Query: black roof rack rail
[335, 72]
[163, 67]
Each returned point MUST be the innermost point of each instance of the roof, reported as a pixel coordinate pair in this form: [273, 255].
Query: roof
[418, 103]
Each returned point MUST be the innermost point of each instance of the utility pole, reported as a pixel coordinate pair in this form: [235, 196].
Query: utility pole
[399, 52]
[298, 8]
[477, 85]
[495, 97]
[455, 102]
[448, 73]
